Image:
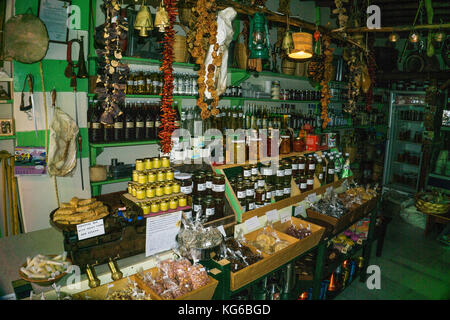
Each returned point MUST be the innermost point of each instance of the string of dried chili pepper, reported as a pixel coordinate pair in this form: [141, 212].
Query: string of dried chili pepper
[167, 113]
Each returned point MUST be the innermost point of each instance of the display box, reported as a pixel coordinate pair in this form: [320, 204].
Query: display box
[317, 142]
[29, 161]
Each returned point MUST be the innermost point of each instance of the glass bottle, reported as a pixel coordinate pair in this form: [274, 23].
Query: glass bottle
[140, 122]
[118, 127]
[96, 131]
[319, 171]
[129, 124]
[330, 171]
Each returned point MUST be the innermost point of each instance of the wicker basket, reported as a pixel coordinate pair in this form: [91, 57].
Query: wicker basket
[430, 207]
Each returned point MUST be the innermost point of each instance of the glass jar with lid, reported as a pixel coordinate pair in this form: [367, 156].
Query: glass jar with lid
[165, 162]
[151, 176]
[285, 146]
[173, 203]
[260, 194]
[140, 166]
[218, 186]
[209, 182]
[279, 192]
[159, 190]
[130, 187]
[241, 191]
[142, 178]
[140, 193]
[301, 160]
[160, 176]
[266, 171]
[154, 206]
[250, 204]
[197, 207]
[219, 206]
[209, 206]
[145, 206]
[280, 173]
[176, 187]
[168, 189]
[182, 201]
[269, 193]
[199, 183]
[303, 183]
[156, 163]
[185, 181]
[249, 189]
[286, 190]
[163, 204]
[246, 171]
[261, 181]
[254, 180]
[148, 163]
[150, 191]
[310, 181]
[254, 169]
[169, 175]
[135, 175]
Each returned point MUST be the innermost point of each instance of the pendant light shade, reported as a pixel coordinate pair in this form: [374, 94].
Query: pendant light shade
[143, 21]
[303, 46]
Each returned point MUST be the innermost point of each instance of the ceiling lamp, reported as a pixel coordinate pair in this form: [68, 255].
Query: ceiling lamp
[393, 37]
[143, 21]
[414, 37]
[303, 46]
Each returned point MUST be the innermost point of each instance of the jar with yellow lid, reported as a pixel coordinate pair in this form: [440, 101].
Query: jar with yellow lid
[140, 166]
[145, 207]
[160, 176]
[135, 176]
[182, 201]
[151, 176]
[169, 174]
[163, 205]
[156, 163]
[165, 162]
[173, 203]
[140, 193]
[159, 190]
[168, 189]
[154, 206]
[148, 163]
[130, 187]
[133, 190]
[150, 191]
[142, 178]
[176, 188]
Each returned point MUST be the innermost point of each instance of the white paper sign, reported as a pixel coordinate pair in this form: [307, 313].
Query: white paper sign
[300, 211]
[312, 197]
[252, 224]
[272, 215]
[222, 231]
[90, 229]
[285, 216]
[161, 232]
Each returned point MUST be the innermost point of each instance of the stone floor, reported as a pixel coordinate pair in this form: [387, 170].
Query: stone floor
[412, 267]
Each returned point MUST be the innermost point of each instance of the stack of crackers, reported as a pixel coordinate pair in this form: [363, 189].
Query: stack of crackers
[80, 211]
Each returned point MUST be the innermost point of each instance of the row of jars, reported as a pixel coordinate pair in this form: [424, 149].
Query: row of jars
[152, 163]
[207, 207]
[163, 204]
[153, 175]
[153, 190]
[202, 183]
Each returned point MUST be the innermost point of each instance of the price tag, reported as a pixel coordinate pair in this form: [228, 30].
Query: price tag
[222, 231]
[312, 197]
[300, 211]
[272, 215]
[252, 224]
[90, 229]
[285, 216]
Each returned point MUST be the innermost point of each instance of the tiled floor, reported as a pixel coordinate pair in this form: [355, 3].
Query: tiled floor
[412, 267]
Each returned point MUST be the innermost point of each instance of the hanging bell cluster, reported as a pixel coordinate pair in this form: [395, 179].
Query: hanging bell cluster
[162, 18]
[143, 21]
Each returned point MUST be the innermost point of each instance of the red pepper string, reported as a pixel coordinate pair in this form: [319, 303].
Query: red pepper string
[167, 113]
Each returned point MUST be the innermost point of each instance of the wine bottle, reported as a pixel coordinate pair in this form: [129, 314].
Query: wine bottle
[140, 122]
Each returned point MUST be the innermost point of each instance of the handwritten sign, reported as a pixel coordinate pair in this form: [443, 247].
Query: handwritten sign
[285, 216]
[90, 229]
[272, 215]
[161, 232]
[252, 224]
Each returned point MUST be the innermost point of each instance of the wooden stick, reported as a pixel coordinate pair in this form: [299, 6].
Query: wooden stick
[395, 29]
[14, 196]
[4, 177]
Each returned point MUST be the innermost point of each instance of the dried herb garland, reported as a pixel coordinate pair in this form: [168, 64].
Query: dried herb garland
[327, 75]
[167, 113]
[112, 74]
[371, 66]
[203, 34]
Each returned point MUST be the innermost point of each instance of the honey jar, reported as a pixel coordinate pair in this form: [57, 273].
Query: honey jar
[168, 189]
[151, 177]
[145, 208]
[133, 190]
[163, 205]
[159, 190]
[130, 187]
[156, 163]
[150, 192]
[154, 206]
[173, 203]
[160, 176]
[142, 178]
[135, 176]
[148, 163]
[169, 175]
[140, 193]
[165, 162]
[140, 166]
[182, 201]
[176, 187]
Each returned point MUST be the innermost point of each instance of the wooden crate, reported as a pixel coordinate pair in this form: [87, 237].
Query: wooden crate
[337, 224]
[101, 292]
[308, 242]
[268, 263]
[204, 293]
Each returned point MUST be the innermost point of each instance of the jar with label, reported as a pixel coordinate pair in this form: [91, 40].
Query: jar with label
[309, 181]
[145, 206]
[175, 187]
[294, 161]
[140, 166]
[185, 181]
[160, 176]
[218, 186]
[168, 188]
[275, 90]
[311, 164]
[320, 172]
[267, 172]
[165, 162]
[173, 203]
[238, 151]
[259, 204]
[261, 181]
[303, 183]
[148, 163]
[249, 189]
[254, 169]
[159, 190]
[130, 187]
[209, 182]
[169, 174]
[199, 183]
[154, 206]
[133, 190]
[150, 191]
[247, 171]
[286, 190]
[301, 165]
[209, 206]
[241, 192]
[254, 180]
[269, 193]
[197, 206]
[151, 176]
[156, 163]
[279, 192]
[260, 194]
[134, 175]
[250, 204]
[142, 178]
[219, 206]
[140, 193]
[280, 173]
[163, 205]
[182, 201]
[285, 146]
[299, 144]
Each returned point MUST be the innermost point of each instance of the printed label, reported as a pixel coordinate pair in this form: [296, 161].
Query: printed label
[254, 171]
[209, 212]
[201, 187]
[218, 187]
[118, 125]
[139, 124]
[287, 191]
[280, 173]
[330, 171]
[209, 184]
[301, 166]
[295, 166]
[302, 186]
[130, 124]
[310, 181]
[247, 173]
[186, 190]
[288, 172]
[241, 194]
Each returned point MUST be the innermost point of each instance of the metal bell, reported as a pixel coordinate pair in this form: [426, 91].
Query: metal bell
[143, 21]
[162, 18]
[287, 44]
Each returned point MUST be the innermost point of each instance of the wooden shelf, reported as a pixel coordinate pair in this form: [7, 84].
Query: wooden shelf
[101, 183]
[6, 101]
[7, 137]
[123, 144]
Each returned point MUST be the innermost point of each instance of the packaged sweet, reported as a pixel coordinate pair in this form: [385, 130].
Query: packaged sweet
[268, 241]
[298, 232]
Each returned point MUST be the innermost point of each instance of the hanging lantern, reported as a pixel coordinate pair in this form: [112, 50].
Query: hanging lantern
[393, 37]
[439, 36]
[143, 21]
[414, 37]
[258, 42]
[303, 46]
[162, 18]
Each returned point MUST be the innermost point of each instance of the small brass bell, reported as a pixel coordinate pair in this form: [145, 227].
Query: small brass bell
[287, 44]
[116, 274]
[92, 277]
[162, 18]
[143, 21]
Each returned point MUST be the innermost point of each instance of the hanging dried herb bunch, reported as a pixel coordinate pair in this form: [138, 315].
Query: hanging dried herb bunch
[167, 113]
[327, 76]
[112, 74]
[202, 34]
[355, 77]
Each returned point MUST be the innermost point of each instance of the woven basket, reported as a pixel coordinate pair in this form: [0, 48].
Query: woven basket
[430, 207]
[180, 53]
